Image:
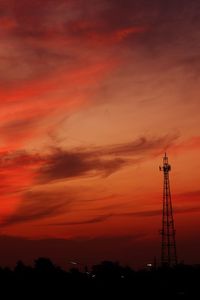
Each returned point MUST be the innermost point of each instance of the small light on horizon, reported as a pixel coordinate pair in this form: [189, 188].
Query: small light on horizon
[73, 263]
[149, 265]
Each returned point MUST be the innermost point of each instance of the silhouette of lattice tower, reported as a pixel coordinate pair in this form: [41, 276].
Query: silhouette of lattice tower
[168, 245]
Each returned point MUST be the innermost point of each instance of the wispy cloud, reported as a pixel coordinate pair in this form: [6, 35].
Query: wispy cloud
[158, 212]
[23, 170]
[101, 160]
[94, 220]
[38, 205]
[136, 214]
[62, 164]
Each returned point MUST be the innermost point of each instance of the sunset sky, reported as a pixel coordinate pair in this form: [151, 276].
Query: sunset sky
[92, 93]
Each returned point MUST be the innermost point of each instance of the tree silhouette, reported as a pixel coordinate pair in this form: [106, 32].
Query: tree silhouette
[107, 279]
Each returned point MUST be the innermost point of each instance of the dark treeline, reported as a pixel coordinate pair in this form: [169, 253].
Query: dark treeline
[107, 279]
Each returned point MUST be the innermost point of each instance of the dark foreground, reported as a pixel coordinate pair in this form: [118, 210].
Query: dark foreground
[105, 280]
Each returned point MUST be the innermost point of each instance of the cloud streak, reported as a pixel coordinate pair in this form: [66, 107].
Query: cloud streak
[101, 160]
[94, 220]
[38, 205]
[61, 165]
[136, 214]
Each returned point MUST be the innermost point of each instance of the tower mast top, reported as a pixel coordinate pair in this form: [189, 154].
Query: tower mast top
[166, 167]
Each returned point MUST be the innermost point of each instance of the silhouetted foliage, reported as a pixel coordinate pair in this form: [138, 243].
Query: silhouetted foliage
[107, 279]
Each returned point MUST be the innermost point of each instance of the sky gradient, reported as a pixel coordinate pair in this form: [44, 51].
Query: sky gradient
[92, 94]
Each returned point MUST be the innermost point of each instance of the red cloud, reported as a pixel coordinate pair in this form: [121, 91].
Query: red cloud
[97, 33]
[7, 24]
[67, 79]
[29, 108]
[125, 32]
[114, 37]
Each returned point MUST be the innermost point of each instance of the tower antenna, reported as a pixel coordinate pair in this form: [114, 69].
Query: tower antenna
[168, 245]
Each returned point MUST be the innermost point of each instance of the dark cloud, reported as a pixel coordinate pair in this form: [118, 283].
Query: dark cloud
[100, 160]
[63, 164]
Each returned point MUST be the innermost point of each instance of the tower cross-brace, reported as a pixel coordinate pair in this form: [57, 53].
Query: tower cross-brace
[168, 246]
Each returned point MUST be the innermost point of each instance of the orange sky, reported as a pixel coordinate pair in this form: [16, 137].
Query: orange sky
[92, 94]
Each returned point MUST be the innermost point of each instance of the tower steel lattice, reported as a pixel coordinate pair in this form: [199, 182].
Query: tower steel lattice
[168, 247]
